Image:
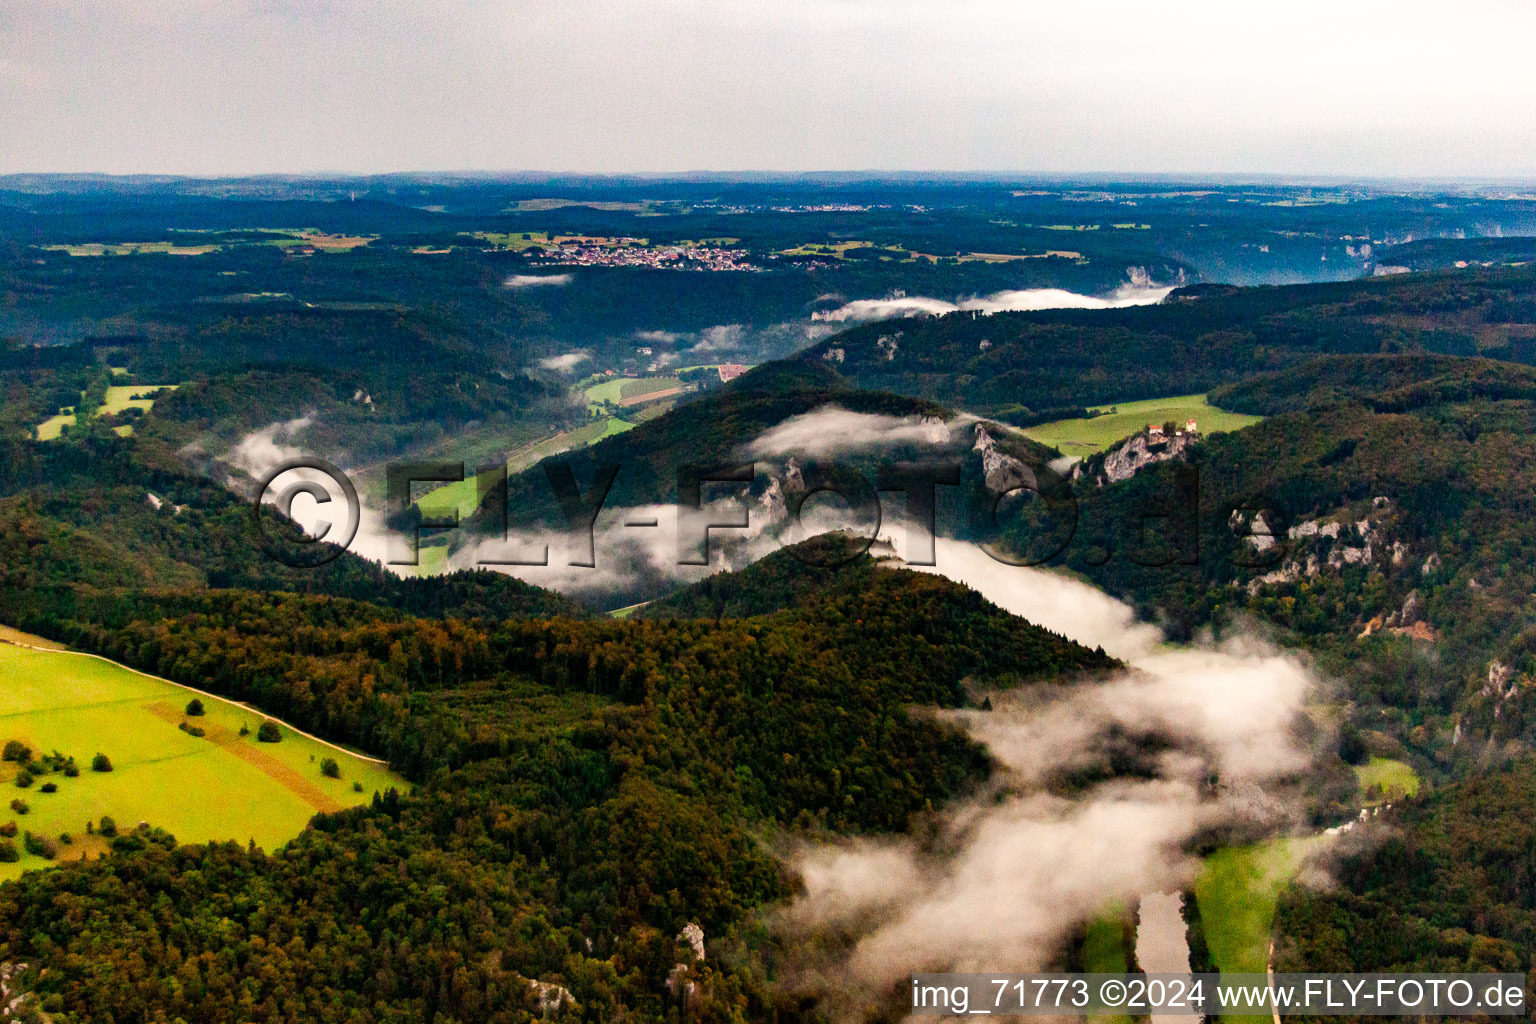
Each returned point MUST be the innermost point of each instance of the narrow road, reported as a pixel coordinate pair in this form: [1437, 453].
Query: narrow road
[1269, 968]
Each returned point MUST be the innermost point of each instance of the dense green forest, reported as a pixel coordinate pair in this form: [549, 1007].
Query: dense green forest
[91, 514]
[1389, 491]
[582, 791]
[1194, 340]
[582, 788]
[1452, 888]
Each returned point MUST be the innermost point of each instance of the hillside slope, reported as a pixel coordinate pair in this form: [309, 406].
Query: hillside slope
[583, 792]
[1194, 340]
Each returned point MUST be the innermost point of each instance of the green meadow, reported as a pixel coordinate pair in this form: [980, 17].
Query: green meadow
[616, 390]
[1236, 892]
[119, 397]
[219, 786]
[1382, 779]
[127, 396]
[1087, 436]
[463, 496]
[1104, 952]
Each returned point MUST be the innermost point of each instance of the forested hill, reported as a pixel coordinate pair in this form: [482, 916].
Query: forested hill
[1396, 538]
[1451, 888]
[1194, 340]
[1384, 383]
[1394, 502]
[90, 515]
[791, 578]
[868, 608]
[715, 430]
[583, 790]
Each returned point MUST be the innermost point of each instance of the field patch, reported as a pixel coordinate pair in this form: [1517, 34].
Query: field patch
[647, 387]
[131, 396]
[1236, 893]
[650, 396]
[1084, 437]
[50, 428]
[120, 397]
[221, 785]
[1382, 780]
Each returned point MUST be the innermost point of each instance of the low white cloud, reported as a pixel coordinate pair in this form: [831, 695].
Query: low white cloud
[721, 338]
[638, 561]
[1057, 602]
[1005, 878]
[998, 302]
[536, 280]
[659, 337]
[565, 362]
[265, 447]
[258, 452]
[743, 341]
[830, 430]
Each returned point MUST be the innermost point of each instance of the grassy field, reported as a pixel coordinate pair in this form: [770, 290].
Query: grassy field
[613, 425]
[218, 786]
[628, 391]
[653, 411]
[127, 396]
[133, 248]
[1236, 893]
[648, 386]
[119, 397]
[1104, 947]
[1085, 437]
[1383, 779]
[610, 390]
[49, 429]
[432, 558]
[1104, 953]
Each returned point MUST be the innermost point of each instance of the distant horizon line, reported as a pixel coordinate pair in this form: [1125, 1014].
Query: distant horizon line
[870, 175]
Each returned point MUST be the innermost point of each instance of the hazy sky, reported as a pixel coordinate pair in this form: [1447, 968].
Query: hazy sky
[204, 87]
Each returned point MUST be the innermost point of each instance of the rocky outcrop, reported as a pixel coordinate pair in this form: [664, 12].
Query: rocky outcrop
[693, 936]
[680, 983]
[1501, 681]
[552, 999]
[1003, 472]
[14, 1003]
[1359, 535]
[1139, 451]
[1313, 528]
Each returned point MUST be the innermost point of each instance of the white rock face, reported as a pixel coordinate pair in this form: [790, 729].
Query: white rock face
[1312, 528]
[552, 998]
[1500, 681]
[1136, 453]
[1003, 471]
[693, 935]
[12, 1000]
